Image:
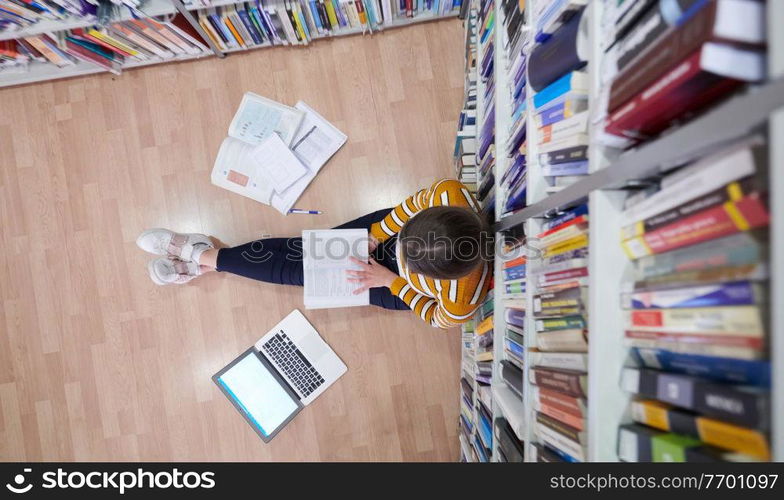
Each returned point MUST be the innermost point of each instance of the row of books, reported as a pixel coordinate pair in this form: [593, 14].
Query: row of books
[16, 15]
[471, 448]
[485, 153]
[663, 65]
[110, 48]
[559, 360]
[465, 143]
[697, 313]
[476, 406]
[280, 22]
[558, 73]
[514, 180]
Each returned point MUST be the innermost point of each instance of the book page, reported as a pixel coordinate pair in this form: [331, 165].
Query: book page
[315, 143]
[276, 164]
[326, 260]
[237, 170]
[258, 117]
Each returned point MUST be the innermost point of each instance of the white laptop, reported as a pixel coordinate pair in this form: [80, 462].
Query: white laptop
[285, 370]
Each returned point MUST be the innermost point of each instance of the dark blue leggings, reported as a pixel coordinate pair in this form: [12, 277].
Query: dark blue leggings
[279, 260]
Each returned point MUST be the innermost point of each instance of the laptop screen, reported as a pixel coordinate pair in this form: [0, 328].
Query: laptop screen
[256, 390]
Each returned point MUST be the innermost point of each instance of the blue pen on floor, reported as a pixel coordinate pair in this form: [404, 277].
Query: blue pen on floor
[300, 211]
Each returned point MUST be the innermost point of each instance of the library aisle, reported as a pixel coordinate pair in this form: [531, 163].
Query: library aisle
[97, 364]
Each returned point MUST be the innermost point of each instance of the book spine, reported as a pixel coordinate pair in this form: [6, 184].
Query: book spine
[567, 323]
[561, 221]
[562, 402]
[566, 382]
[560, 360]
[559, 441]
[737, 293]
[731, 217]
[562, 341]
[635, 443]
[87, 55]
[561, 276]
[250, 27]
[571, 433]
[733, 191]
[558, 88]
[514, 273]
[663, 56]
[684, 89]
[725, 346]
[720, 369]
[566, 155]
[713, 432]
[725, 402]
[652, 26]
[704, 320]
[561, 266]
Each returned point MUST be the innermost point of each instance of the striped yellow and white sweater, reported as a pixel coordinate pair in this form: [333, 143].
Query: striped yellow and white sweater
[441, 303]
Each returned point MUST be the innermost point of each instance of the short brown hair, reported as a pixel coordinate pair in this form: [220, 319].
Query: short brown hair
[444, 242]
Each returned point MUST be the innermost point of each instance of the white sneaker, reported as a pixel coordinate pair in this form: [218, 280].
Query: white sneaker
[164, 242]
[172, 271]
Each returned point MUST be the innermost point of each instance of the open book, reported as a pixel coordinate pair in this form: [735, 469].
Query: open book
[315, 143]
[326, 255]
[273, 151]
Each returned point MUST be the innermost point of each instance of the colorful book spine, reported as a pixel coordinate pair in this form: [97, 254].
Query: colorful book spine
[745, 320]
[734, 293]
[570, 382]
[720, 369]
[733, 191]
[566, 323]
[563, 87]
[742, 405]
[638, 443]
[710, 431]
[747, 213]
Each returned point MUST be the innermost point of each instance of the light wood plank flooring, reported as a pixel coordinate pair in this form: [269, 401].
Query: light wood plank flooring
[97, 363]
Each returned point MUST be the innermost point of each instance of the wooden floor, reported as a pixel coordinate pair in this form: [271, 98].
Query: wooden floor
[97, 363]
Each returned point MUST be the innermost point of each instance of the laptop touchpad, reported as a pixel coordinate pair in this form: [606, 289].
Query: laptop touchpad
[314, 348]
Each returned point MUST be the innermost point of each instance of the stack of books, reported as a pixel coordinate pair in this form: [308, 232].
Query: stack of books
[465, 143]
[559, 361]
[514, 268]
[114, 47]
[483, 374]
[16, 15]
[514, 180]
[485, 155]
[281, 22]
[696, 313]
[557, 71]
[663, 65]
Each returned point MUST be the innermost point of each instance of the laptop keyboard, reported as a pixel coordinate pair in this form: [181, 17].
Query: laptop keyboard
[293, 363]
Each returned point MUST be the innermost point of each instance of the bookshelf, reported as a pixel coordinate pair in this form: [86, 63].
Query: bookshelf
[39, 72]
[755, 109]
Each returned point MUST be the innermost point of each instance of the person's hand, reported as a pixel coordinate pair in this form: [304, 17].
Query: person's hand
[372, 243]
[370, 275]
